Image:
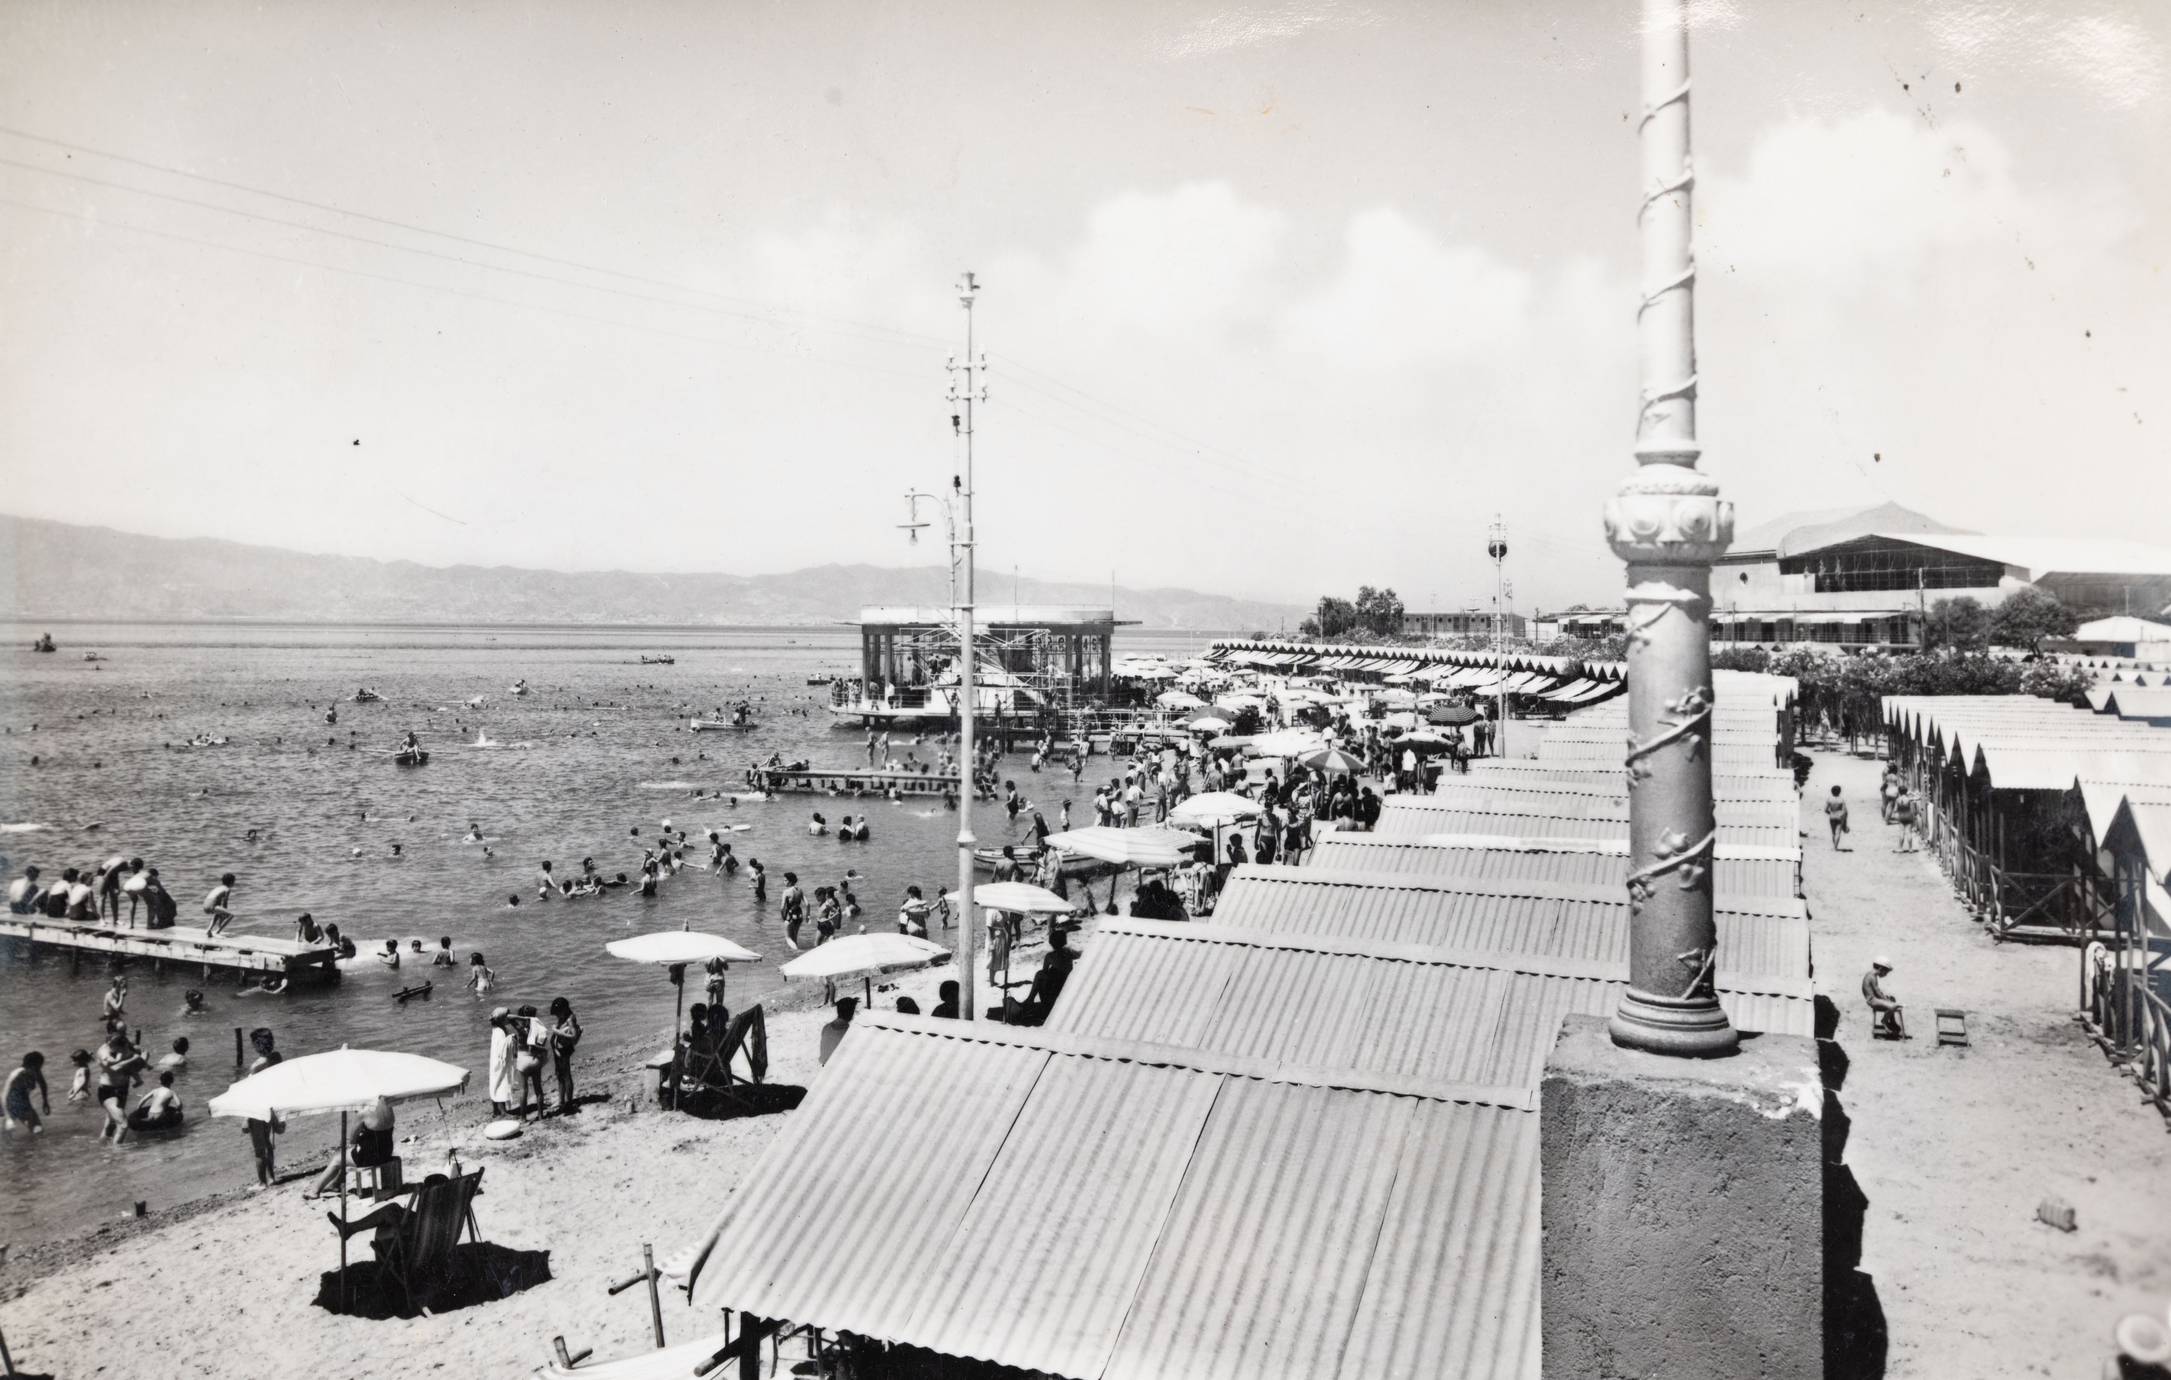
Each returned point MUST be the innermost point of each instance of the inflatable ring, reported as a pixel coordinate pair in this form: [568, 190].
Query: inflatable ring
[505, 1129]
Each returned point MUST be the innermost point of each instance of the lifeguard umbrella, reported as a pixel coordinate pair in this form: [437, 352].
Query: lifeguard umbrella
[1127, 847]
[1178, 699]
[1332, 760]
[338, 1080]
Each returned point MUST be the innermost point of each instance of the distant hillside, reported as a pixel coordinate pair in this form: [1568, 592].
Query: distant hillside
[61, 570]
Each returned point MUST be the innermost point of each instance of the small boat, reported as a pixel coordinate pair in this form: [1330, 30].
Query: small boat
[821, 680]
[205, 740]
[520, 687]
[365, 695]
[92, 656]
[659, 661]
[43, 644]
[411, 757]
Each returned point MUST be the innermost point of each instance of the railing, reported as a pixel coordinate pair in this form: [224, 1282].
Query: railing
[2061, 901]
[2123, 1008]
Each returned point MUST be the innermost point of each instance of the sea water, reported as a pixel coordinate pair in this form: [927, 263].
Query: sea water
[589, 763]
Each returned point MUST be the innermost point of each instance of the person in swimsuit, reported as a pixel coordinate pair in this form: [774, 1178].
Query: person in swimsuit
[116, 1002]
[160, 1108]
[217, 906]
[261, 1132]
[119, 1068]
[372, 1146]
[443, 957]
[793, 907]
[480, 980]
[29, 1077]
[758, 879]
[1835, 815]
[912, 915]
[24, 893]
[178, 1059]
[306, 930]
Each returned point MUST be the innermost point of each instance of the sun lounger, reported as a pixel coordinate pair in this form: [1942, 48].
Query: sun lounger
[709, 1067]
[416, 1251]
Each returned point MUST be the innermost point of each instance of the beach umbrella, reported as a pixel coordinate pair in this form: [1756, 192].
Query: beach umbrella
[1288, 742]
[675, 949]
[1332, 760]
[1214, 809]
[1209, 723]
[1023, 897]
[1127, 847]
[1451, 714]
[338, 1080]
[1178, 699]
[863, 955]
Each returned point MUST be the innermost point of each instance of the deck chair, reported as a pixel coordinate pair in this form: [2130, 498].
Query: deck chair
[418, 1253]
[709, 1066]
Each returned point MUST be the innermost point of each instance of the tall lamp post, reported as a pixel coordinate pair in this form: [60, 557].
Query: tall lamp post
[1668, 524]
[966, 388]
[1496, 546]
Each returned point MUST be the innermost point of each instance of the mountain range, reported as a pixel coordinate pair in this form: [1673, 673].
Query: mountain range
[58, 570]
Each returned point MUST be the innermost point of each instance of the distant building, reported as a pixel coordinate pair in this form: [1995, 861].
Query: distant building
[1865, 577]
[1590, 625]
[2124, 637]
[1468, 623]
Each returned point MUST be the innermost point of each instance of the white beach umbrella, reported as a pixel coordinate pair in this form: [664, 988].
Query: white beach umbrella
[1286, 743]
[1127, 847]
[1214, 809]
[855, 954]
[1023, 897]
[670, 948]
[339, 1080]
[1178, 699]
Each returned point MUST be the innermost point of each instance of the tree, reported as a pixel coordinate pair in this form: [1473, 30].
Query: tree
[1962, 624]
[2028, 617]
[1379, 611]
[1335, 617]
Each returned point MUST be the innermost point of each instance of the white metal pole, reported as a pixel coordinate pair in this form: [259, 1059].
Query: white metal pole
[966, 759]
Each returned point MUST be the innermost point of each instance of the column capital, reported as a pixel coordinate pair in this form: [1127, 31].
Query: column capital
[1667, 514]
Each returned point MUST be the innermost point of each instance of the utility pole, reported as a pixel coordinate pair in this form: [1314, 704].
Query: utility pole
[1668, 524]
[1496, 546]
[967, 387]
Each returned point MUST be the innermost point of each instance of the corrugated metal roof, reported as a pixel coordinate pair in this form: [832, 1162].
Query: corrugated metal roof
[1113, 1209]
[2136, 703]
[2058, 768]
[2041, 556]
[1394, 1009]
[1579, 778]
[1759, 938]
[1612, 752]
[1736, 871]
[2152, 825]
[1547, 798]
[1429, 815]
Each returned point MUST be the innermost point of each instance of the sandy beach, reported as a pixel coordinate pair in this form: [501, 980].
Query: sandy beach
[228, 1288]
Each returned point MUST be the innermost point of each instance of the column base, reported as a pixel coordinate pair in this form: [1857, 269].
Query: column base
[1683, 1027]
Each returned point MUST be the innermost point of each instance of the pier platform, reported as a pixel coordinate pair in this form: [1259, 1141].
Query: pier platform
[250, 953]
[847, 782]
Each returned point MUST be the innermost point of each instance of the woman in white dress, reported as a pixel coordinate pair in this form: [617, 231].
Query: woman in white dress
[502, 1083]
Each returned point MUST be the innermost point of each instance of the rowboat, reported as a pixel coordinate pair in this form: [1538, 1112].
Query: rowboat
[411, 757]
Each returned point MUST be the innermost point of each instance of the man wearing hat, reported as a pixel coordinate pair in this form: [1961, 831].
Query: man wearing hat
[1887, 1020]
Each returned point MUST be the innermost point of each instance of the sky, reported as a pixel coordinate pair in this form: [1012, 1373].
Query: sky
[1277, 300]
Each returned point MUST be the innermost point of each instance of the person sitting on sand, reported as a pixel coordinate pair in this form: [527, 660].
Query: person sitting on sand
[178, 1059]
[372, 1146]
[28, 1077]
[833, 1033]
[946, 1001]
[1887, 1020]
[160, 1108]
[217, 906]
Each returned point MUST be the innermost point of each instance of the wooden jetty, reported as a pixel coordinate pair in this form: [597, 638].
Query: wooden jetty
[845, 782]
[238, 953]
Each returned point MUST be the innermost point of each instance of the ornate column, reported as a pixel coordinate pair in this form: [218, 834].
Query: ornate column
[1669, 525]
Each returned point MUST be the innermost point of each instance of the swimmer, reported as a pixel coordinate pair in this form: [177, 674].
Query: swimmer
[178, 1059]
[390, 958]
[397, 850]
[160, 1108]
[116, 1002]
[513, 900]
[545, 883]
[192, 1003]
[474, 834]
[342, 945]
[29, 1077]
[480, 980]
[306, 930]
[817, 826]
[416, 946]
[443, 957]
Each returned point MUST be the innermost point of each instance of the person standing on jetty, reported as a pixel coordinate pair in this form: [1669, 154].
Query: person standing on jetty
[217, 906]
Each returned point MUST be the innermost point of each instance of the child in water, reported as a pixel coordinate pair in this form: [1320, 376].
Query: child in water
[480, 979]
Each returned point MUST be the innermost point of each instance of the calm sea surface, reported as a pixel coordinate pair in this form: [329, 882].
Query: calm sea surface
[596, 750]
